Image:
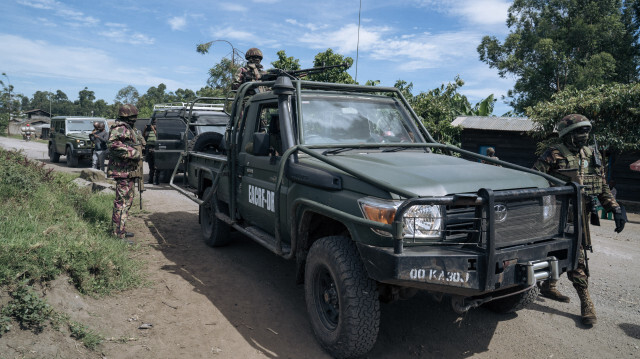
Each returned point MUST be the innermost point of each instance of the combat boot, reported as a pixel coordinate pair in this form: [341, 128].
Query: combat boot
[549, 289]
[588, 312]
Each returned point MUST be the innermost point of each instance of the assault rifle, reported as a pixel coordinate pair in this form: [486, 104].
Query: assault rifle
[273, 74]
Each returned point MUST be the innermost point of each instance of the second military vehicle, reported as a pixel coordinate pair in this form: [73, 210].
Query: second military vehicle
[69, 137]
[346, 181]
[177, 123]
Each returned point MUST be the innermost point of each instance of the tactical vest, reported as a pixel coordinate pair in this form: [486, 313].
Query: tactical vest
[151, 138]
[580, 168]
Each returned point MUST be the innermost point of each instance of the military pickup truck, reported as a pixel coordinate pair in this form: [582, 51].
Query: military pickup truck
[346, 181]
[177, 123]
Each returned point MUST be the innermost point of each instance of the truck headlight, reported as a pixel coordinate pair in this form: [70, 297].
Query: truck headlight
[423, 221]
[80, 142]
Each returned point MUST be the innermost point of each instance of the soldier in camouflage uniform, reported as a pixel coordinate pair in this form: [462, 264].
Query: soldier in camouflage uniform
[573, 160]
[125, 152]
[252, 71]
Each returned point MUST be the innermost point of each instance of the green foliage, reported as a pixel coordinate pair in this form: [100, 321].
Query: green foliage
[50, 227]
[564, 44]
[81, 332]
[440, 106]
[221, 75]
[337, 75]
[612, 109]
[286, 63]
[27, 308]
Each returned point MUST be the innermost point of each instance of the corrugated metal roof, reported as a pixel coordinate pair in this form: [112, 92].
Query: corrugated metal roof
[515, 124]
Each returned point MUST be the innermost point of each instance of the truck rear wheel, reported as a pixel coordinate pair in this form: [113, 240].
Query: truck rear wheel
[342, 301]
[208, 142]
[214, 230]
[53, 155]
[72, 161]
[514, 302]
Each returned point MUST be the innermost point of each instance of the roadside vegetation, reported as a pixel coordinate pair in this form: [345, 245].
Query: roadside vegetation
[48, 228]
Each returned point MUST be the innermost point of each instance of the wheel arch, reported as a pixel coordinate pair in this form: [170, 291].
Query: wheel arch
[310, 226]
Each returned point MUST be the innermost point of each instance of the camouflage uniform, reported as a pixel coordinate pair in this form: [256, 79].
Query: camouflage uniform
[573, 161]
[252, 71]
[124, 156]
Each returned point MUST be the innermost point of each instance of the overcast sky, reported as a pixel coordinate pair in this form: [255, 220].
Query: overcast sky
[65, 45]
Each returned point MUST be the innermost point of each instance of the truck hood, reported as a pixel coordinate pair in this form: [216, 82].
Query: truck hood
[79, 136]
[428, 174]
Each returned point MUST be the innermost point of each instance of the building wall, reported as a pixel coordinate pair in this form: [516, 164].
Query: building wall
[627, 181]
[518, 148]
[514, 147]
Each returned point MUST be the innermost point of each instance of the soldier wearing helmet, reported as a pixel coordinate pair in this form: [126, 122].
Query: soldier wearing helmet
[572, 160]
[99, 137]
[125, 152]
[252, 71]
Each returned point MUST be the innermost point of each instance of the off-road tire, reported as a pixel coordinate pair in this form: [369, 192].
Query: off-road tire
[214, 230]
[515, 302]
[342, 301]
[53, 155]
[72, 161]
[208, 142]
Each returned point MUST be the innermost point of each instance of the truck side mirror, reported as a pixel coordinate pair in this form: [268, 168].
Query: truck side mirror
[260, 144]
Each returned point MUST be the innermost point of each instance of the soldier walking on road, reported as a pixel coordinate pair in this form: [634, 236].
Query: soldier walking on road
[572, 160]
[125, 152]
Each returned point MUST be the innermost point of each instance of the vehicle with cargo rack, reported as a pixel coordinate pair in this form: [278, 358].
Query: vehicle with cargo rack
[346, 181]
[178, 124]
[70, 138]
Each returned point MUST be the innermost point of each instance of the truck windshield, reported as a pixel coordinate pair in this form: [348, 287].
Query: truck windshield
[79, 125]
[336, 119]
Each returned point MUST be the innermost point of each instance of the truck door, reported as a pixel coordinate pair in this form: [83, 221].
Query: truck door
[61, 138]
[258, 172]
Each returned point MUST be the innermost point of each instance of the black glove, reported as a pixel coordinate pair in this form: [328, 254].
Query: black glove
[620, 217]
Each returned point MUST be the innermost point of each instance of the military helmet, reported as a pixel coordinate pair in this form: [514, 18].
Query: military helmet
[127, 110]
[571, 122]
[253, 52]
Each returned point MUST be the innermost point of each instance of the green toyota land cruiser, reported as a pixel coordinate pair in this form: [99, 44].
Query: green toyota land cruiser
[70, 137]
[346, 181]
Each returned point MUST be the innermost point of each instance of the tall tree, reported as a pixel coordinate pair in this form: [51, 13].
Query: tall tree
[127, 95]
[337, 75]
[563, 44]
[286, 63]
[85, 102]
[221, 75]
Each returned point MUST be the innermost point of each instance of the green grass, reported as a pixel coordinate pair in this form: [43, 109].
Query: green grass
[50, 227]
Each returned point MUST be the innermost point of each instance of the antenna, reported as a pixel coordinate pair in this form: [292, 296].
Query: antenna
[358, 43]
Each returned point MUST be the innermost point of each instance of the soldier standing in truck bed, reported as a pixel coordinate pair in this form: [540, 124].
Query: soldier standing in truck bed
[573, 160]
[252, 71]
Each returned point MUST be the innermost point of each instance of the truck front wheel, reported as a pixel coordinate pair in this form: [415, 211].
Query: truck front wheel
[214, 230]
[342, 301]
[514, 302]
[72, 161]
[53, 155]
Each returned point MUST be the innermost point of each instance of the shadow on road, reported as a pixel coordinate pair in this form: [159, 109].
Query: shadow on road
[255, 290]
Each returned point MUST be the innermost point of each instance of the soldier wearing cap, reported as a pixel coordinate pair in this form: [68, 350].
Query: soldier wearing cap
[125, 152]
[252, 71]
[572, 160]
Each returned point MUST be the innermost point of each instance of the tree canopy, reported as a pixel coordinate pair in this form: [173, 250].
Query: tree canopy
[337, 75]
[555, 45]
[612, 110]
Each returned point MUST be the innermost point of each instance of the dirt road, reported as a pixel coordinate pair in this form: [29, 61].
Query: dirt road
[241, 301]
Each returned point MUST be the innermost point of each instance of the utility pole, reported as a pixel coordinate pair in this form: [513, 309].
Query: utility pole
[235, 53]
[9, 87]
